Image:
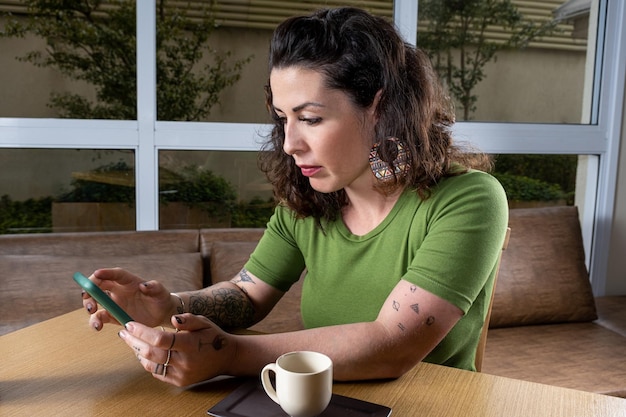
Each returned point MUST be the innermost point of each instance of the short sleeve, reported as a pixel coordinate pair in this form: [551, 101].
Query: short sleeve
[277, 260]
[467, 220]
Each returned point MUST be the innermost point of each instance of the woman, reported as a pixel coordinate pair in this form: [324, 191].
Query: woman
[397, 228]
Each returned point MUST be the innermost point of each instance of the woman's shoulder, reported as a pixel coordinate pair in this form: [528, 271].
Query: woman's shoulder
[470, 189]
[474, 179]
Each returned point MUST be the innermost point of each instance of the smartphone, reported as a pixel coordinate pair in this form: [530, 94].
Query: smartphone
[102, 298]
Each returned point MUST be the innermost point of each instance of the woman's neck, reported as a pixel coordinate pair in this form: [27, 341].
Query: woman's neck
[365, 211]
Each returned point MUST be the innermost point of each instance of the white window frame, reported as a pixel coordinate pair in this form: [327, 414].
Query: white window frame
[146, 136]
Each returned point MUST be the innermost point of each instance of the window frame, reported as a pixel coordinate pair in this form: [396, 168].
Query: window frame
[146, 136]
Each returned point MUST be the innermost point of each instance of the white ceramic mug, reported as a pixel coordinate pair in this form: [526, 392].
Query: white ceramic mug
[304, 383]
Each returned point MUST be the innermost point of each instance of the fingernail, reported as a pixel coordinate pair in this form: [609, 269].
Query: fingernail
[179, 320]
[96, 326]
[121, 334]
[130, 326]
[89, 307]
[145, 284]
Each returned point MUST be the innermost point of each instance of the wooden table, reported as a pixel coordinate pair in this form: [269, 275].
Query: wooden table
[63, 368]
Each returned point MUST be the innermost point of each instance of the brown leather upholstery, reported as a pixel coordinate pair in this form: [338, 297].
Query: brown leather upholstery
[543, 278]
[227, 259]
[611, 313]
[582, 356]
[36, 279]
[209, 237]
[543, 326]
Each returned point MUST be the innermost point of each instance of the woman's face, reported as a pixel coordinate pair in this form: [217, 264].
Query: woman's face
[326, 134]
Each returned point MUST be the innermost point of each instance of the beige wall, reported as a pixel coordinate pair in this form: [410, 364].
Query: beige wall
[532, 85]
[26, 88]
[245, 101]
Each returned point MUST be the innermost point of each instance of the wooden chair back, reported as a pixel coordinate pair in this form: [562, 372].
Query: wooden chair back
[482, 343]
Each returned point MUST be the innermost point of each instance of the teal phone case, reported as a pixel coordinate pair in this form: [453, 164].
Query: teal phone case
[102, 298]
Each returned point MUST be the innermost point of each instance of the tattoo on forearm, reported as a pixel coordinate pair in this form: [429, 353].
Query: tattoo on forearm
[217, 343]
[413, 288]
[401, 326]
[396, 305]
[416, 308]
[430, 320]
[227, 307]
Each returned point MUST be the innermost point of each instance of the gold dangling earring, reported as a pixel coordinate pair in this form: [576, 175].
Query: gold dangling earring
[382, 170]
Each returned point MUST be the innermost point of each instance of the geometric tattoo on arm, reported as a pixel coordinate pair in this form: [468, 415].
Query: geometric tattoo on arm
[245, 278]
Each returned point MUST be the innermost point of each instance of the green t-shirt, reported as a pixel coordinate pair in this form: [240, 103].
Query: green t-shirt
[448, 244]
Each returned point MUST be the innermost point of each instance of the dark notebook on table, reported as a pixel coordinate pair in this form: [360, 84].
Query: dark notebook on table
[250, 400]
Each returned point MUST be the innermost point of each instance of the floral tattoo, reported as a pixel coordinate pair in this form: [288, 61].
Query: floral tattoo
[227, 307]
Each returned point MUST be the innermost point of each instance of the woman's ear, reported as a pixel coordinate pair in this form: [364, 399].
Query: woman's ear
[372, 110]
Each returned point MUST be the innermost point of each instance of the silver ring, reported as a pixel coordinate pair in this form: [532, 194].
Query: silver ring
[167, 362]
[157, 369]
[169, 355]
[173, 340]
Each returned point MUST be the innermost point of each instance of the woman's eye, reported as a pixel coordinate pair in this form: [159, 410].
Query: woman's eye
[310, 120]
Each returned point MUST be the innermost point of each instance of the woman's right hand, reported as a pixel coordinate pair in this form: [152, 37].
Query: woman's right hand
[147, 302]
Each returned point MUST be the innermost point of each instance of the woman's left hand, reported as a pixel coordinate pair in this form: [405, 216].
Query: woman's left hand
[199, 350]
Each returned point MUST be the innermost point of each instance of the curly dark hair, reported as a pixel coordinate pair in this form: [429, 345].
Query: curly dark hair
[361, 54]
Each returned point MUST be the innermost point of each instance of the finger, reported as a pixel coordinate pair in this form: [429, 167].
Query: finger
[108, 278]
[191, 322]
[97, 319]
[144, 349]
[89, 303]
[113, 278]
[157, 369]
[156, 338]
[153, 288]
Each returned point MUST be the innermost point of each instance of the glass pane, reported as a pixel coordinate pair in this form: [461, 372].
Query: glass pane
[66, 190]
[68, 59]
[224, 83]
[511, 63]
[537, 180]
[200, 189]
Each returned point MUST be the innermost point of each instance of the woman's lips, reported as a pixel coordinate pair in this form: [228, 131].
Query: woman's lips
[309, 171]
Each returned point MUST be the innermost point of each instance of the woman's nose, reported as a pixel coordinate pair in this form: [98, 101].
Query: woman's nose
[293, 142]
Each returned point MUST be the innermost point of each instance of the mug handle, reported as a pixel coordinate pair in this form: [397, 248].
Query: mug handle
[267, 384]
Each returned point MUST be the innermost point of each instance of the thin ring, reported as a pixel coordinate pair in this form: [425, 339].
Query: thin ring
[157, 369]
[173, 341]
[167, 363]
[169, 356]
